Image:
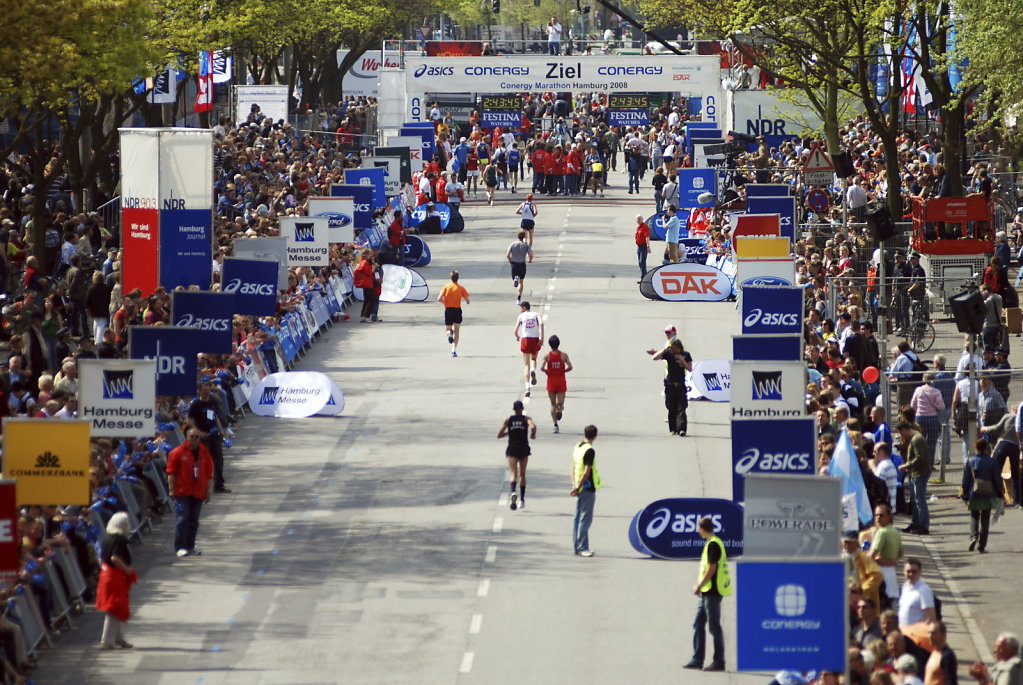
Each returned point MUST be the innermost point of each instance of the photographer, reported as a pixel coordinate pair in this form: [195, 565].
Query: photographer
[553, 37]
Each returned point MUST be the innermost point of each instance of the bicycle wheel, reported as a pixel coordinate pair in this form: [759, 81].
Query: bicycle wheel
[923, 336]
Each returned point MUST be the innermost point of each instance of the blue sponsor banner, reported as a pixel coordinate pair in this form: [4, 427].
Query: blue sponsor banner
[780, 348]
[704, 135]
[785, 207]
[425, 132]
[793, 615]
[362, 197]
[781, 446]
[656, 225]
[695, 250]
[373, 178]
[253, 283]
[414, 249]
[333, 306]
[667, 528]
[287, 343]
[209, 315]
[175, 351]
[418, 215]
[695, 182]
[186, 248]
[768, 190]
[628, 117]
[772, 309]
[505, 118]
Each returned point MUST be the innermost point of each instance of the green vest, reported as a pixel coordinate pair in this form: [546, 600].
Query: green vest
[578, 467]
[724, 582]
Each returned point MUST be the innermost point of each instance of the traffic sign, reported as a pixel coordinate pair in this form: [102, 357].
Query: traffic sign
[818, 169]
[817, 199]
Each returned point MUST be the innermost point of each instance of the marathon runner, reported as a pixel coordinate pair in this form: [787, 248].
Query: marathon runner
[518, 254]
[529, 213]
[452, 295]
[516, 427]
[529, 333]
[556, 364]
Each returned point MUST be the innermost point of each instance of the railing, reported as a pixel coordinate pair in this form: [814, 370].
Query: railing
[111, 213]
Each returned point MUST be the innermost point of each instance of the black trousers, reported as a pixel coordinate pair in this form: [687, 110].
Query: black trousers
[677, 403]
[216, 447]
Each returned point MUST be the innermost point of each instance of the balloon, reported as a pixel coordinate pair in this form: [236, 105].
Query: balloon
[870, 374]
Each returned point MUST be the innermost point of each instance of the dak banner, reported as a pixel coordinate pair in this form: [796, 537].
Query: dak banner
[306, 240]
[49, 459]
[786, 446]
[10, 549]
[686, 283]
[210, 315]
[340, 213]
[667, 528]
[777, 309]
[768, 390]
[253, 283]
[117, 396]
[175, 351]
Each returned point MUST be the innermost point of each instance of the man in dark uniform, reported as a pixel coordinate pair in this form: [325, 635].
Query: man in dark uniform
[901, 273]
[917, 281]
[519, 429]
[1002, 372]
[202, 415]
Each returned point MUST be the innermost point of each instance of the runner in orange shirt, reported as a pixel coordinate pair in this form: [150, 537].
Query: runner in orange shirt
[452, 295]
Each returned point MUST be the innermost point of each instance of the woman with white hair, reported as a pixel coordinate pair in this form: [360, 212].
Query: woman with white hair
[115, 578]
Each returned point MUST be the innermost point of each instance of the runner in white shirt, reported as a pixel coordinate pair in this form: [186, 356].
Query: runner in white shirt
[529, 212]
[529, 333]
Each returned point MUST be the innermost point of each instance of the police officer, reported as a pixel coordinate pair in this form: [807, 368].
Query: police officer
[713, 584]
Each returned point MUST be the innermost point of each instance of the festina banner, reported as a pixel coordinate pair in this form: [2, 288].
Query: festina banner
[117, 396]
[209, 314]
[340, 213]
[253, 283]
[295, 394]
[166, 208]
[768, 390]
[307, 240]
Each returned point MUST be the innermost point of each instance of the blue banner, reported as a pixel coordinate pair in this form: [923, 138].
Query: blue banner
[209, 315]
[695, 250]
[254, 284]
[362, 197]
[667, 528]
[186, 248]
[772, 347]
[175, 351]
[703, 135]
[768, 190]
[425, 132]
[695, 182]
[782, 446]
[772, 309]
[418, 215]
[628, 117]
[785, 207]
[793, 616]
[373, 178]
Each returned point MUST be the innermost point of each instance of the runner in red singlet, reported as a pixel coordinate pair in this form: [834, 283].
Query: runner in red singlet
[556, 364]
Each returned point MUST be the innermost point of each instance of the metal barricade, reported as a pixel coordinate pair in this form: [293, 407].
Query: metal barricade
[59, 601]
[22, 609]
[131, 505]
[154, 476]
[73, 575]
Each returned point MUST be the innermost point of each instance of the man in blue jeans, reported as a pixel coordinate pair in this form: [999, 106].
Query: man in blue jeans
[585, 483]
[713, 584]
[917, 469]
[189, 470]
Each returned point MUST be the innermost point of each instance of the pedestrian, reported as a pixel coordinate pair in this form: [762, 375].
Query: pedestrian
[918, 469]
[556, 364]
[942, 665]
[671, 233]
[519, 429]
[529, 213]
[642, 244]
[203, 415]
[585, 483]
[490, 180]
[916, 601]
[363, 277]
[189, 469]
[452, 295]
[455, 192]
[886, 549]
[867, 572]
[116, 577]
[982, 483]
[678, 361]
[712, 585]
[518, 254]
[1006, 432]
[928, 403]
[529, 334]
[1006, 670]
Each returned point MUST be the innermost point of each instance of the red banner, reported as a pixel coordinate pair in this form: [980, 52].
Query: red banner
[755, 224]
[454, 48]
[10, 558]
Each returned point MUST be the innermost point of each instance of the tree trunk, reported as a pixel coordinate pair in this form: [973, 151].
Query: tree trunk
[952, 146]
[330, 81]
[831, 116]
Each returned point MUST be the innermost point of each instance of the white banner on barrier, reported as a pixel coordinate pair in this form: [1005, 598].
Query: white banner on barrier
[392, 172]
[294, 394]
[117, 396]
[768, 390]
[711, 379]
[306, 240]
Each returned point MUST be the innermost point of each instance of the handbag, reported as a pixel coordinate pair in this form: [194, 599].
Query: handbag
[982, 489]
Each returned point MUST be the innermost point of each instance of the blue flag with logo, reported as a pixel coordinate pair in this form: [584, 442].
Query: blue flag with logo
[844, 465]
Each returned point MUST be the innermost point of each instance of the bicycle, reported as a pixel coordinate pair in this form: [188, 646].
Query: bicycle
[921, 330]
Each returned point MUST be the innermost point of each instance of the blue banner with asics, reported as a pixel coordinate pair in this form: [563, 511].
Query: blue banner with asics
[776, 309]
[253, 283]
[667, 528]
[784, 446]
[209, 315]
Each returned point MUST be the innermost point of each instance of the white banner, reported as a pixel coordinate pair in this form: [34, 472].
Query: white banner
[710, 379]
[392, 172]
[295, 394]
[361, 78]
[340, 212]
[768, 390]
[767, 271]
[307, 241]
[266, 250]
[117, 396]
[415, 149]
[272, 101]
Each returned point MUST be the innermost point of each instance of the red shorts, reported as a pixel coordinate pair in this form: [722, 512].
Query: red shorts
[530, 345]
[556, 385]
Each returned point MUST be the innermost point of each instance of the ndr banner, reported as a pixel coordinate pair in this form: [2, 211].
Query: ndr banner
[667, 528]
[787, 446]
[49, 459]
[175, 351]
[340, 213]
[307, 240]
[117, 396]
[777, 309]
[166, 208]
[209, 314]
[686, 283]
[296, 395]
[768, 390]
[253, 283]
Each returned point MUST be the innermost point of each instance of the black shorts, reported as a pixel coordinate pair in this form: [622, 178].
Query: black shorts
[452, 315]
[518, 269]
[527, 224]
[517, 452]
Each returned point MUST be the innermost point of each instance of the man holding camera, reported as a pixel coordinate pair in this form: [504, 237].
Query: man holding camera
[553, 37]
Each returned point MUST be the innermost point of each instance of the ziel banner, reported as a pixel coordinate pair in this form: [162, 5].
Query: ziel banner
[340, 213]
[210, 316]
[786, 446]
[117, 396]
[777, 309]
[175, 351]
[307, 241]
[768, 390]
[686, 283]
[253, 283]
[49, 459]
[667, 528]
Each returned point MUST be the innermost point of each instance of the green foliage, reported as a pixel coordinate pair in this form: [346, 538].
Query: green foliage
[988, 36]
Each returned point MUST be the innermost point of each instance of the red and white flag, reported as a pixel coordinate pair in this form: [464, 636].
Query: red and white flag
[204, 98]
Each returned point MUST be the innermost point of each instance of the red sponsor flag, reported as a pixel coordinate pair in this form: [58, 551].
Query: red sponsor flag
[204, 98]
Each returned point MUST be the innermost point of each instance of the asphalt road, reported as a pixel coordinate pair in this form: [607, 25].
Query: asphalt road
[378, 546]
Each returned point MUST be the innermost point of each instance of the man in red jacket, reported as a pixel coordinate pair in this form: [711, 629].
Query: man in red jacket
[539, 161]
[189, 470]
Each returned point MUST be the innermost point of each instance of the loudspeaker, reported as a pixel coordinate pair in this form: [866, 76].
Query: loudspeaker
[881, 223]
[968, 311]
[843, 165]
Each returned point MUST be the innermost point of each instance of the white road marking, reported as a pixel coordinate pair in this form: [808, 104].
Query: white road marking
[484, 587]
[466, 663]
[491, 554]
[476, 624]
[498, 524]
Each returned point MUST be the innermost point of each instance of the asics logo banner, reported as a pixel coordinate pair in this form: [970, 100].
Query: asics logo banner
[204, 324]
[787, 463]
[117, 385]
[770, 319]
[679, 523]
[236, 286]
[427, 70]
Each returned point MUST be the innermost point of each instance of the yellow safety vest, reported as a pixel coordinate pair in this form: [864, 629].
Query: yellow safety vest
[578, 467]
[724, 581]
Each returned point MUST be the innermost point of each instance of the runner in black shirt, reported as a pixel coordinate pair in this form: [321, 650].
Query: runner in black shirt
[519, 429]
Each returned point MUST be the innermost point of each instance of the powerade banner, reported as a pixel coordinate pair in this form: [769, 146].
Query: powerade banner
[371, 177]
[253, 284]
[667, 528]
[772, 309]
[175, 350]
[785, 207]
[767, 347]
[692, 183]
[794, 615]
[209, 315]
[420, 291]
[426, 134]
[117, 396]
[788, 446]
[362, 198]
[396, 284]
[686, 283]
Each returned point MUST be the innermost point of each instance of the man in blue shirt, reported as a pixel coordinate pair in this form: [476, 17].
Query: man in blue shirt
[461, 154]
[671, 231]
